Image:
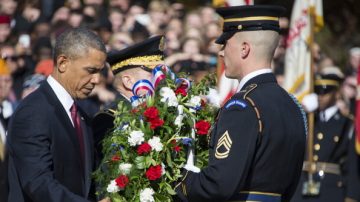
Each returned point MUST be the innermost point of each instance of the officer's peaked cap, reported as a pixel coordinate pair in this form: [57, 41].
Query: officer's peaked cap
[148, 54]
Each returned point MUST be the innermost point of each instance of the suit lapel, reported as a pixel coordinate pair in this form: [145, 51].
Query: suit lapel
[88, 153]
[62, 116]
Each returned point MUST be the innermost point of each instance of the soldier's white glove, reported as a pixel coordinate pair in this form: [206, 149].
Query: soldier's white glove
[192, 168]
[310, 102]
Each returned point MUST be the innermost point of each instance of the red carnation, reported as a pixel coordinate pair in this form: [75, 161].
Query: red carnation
[202, 127]
[151, 113]
[115, 158]
[177, 148]
[154, 172]
[144, 148]
[122, 181]
[181, 91]
[154, 123]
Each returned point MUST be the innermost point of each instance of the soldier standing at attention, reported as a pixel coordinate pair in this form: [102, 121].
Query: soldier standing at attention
[333, 156]
[257, 143]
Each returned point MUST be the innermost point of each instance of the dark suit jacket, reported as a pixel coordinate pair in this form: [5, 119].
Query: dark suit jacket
[44, 155]
[257, 144]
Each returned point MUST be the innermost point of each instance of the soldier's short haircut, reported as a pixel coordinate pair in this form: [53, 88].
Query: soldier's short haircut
[76, 42]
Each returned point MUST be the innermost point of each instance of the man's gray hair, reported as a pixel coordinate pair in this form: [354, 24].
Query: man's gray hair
[76, 42]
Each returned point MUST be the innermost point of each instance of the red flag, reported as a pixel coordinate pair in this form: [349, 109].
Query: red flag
[357, 115]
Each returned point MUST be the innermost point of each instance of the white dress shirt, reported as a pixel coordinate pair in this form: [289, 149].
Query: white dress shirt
[252, 75]
[64, 97]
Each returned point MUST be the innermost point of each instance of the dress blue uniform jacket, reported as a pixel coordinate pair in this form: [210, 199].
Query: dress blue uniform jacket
[45, 160]
[333, 145]
[257, 145]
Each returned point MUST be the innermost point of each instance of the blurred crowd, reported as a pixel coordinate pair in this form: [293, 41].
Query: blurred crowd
[28, 30]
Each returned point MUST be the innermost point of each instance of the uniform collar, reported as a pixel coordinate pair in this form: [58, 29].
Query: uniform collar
[251, 75]
[328, 113]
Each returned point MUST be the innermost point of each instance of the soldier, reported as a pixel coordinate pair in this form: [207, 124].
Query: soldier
[258, 140]
[128, 66]
[332, 133]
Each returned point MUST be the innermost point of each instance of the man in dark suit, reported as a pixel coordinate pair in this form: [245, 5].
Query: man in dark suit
[258, 140]
[129, 65]
[49, 140]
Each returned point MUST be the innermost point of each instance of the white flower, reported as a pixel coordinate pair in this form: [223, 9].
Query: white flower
[155, 144]
[167, 92]
[125, 168]
[172, 102]
[168, 96]
[146, 195]
[180, 117]
[178, 120]
[136, 138]
[112, 187]
[195, 101]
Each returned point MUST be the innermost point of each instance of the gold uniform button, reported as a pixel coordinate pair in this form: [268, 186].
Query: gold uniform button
[317, 147]
[336, 139]
[320, 136]
[316, 157]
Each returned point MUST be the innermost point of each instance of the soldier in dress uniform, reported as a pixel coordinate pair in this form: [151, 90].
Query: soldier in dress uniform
[332, 133]
[258, 140]
[129, 65]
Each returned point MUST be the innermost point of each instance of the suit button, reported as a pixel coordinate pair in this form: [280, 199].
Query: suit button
[315, 157]
[336, 138]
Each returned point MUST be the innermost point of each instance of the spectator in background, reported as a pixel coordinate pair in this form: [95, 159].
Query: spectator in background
[116, 18]
[8, 7]
[6, 110]
[29, 13]
[120, 40]
[75, 18]
[191, 59]
[4, 28]
[31, 84]
[353, 61]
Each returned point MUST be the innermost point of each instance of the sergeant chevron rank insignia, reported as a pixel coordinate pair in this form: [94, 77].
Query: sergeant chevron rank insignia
[223, 146]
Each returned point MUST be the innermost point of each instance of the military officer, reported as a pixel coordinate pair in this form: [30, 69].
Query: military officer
[332, 133]
[258, 140]
[129, 65]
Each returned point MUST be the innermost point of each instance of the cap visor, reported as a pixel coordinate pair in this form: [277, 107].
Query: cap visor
[224, 37]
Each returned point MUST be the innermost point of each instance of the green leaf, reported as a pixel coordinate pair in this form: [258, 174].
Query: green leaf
[140, 162]
[170, 190]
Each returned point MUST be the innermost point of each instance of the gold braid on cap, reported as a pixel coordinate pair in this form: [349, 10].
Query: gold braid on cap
[327, 82]
[254, 18]
[149, 61]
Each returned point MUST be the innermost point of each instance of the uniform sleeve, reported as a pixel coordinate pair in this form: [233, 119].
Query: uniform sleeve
[31, 158]
[236, 135]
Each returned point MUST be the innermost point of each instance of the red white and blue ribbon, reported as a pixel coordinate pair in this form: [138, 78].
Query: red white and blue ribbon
[158, 75]
[136, 101]
[143, 84]
[183, 83]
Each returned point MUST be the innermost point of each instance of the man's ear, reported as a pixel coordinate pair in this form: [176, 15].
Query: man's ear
[62, 63]
[245, 49]
[127, 81]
